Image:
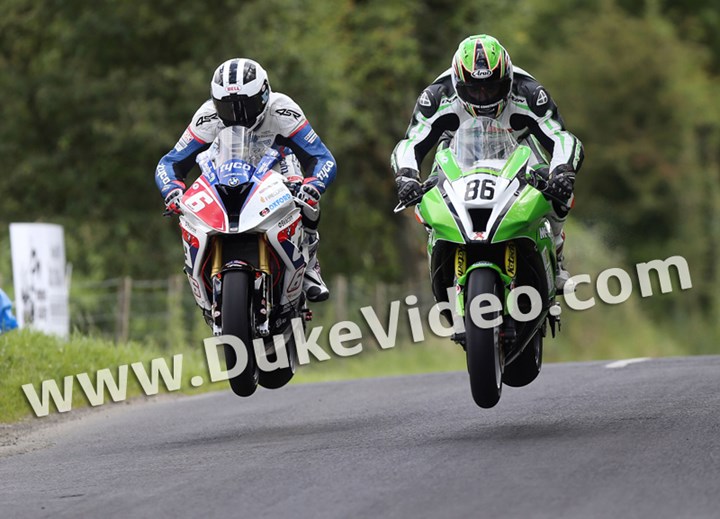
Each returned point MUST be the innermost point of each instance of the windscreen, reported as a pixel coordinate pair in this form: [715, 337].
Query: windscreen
[238, 143]
[482, 142]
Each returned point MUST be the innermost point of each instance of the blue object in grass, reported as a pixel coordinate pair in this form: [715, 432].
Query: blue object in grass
[7, 319]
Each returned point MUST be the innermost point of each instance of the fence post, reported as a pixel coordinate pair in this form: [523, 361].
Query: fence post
[122, 323]
[382, 304]
[176, 323]
[341, 298]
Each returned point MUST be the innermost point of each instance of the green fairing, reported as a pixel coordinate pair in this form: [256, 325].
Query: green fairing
[523, 217]
[512, 167]
[449, 164]
[436, 214]
[506, 281]
[543, 244]
[516, 162]
[488, 171]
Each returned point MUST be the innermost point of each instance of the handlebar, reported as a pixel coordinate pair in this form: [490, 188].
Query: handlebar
[426, 186]
[305, 204]
[539, 179]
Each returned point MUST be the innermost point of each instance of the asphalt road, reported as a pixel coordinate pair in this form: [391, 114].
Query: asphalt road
[582, 441]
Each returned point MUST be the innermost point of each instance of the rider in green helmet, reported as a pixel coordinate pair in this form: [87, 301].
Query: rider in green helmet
[482, 82]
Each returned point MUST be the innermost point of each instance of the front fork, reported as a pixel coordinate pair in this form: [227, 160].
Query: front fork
[262, 287]
[508, 332]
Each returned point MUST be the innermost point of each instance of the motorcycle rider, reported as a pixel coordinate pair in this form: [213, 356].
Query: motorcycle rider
[241, 95]
[483, 82]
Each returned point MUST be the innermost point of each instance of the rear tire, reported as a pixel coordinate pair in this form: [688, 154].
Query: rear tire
[278, 378]
[235, 315]
[526, 366]
[482, 345]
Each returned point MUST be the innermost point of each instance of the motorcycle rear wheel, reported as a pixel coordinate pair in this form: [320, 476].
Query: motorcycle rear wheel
[278, 378]
[235, 316]
[526, 367]
[482, 346]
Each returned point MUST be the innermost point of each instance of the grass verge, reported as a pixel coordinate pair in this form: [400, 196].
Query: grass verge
[30, 358]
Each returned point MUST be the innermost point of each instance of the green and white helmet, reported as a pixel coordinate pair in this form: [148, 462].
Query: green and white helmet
[482, 75]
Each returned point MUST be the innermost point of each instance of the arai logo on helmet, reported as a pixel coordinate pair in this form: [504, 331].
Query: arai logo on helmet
[482, 74]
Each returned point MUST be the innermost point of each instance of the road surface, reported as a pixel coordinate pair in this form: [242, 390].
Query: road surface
[584, 440]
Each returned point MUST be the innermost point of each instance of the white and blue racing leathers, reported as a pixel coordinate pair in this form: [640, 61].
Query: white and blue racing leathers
[283, 127]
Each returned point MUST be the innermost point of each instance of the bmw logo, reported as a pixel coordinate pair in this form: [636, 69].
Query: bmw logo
[233, 181]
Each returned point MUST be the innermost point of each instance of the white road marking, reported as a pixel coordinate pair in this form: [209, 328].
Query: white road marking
[626, 362]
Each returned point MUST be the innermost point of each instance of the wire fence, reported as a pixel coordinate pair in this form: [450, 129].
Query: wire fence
[163, 311]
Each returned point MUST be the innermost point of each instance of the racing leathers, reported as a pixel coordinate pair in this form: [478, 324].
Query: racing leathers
[531, 115]
[283, 127]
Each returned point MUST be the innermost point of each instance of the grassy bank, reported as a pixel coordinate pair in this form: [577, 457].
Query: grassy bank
[30, 358]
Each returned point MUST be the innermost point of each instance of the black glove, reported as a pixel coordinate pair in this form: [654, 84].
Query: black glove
[560, 184]
[408, 186]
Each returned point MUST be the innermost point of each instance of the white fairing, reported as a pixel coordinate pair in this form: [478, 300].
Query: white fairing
[282, 219]
[270, 202]
[481, 148]
[268, 210]
[498, 193]
[193, 266]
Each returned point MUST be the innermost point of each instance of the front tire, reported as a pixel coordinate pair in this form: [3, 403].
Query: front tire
[482, 345]
[526, 367]
[235, 315]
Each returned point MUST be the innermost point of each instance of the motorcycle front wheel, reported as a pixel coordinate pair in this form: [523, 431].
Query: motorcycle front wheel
[235, 318]
[482, 345]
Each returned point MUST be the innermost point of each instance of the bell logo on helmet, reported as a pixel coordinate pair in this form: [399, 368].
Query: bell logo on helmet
[482, 74]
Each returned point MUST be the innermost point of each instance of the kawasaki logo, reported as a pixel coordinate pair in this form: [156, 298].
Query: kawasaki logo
[545, 231]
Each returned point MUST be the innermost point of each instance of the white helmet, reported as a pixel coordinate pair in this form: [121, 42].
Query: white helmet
[240, 92]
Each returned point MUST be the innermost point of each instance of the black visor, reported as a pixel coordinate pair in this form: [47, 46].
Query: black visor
[240, 109]
[484, 93]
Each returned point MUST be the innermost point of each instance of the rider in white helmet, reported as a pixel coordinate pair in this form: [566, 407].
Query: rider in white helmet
[241, 95]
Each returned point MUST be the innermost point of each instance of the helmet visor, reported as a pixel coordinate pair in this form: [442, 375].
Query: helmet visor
[239, 109]
[483, 93]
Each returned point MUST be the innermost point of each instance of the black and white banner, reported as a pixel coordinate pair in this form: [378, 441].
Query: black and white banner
[41, 292]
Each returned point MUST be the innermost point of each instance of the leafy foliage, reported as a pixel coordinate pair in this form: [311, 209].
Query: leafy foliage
[92, 98]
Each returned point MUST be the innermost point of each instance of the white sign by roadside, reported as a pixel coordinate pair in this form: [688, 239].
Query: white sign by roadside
[41, 294]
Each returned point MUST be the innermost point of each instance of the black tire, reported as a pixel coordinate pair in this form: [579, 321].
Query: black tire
[235, 316]
[278, 378]
[482, 345]
[526, 366]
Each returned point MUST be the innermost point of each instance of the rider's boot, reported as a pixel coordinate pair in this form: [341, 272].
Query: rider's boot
[561, 274]
[313, 285]
[557, 222]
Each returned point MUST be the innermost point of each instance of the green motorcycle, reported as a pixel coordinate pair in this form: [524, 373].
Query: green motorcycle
[491, 241]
